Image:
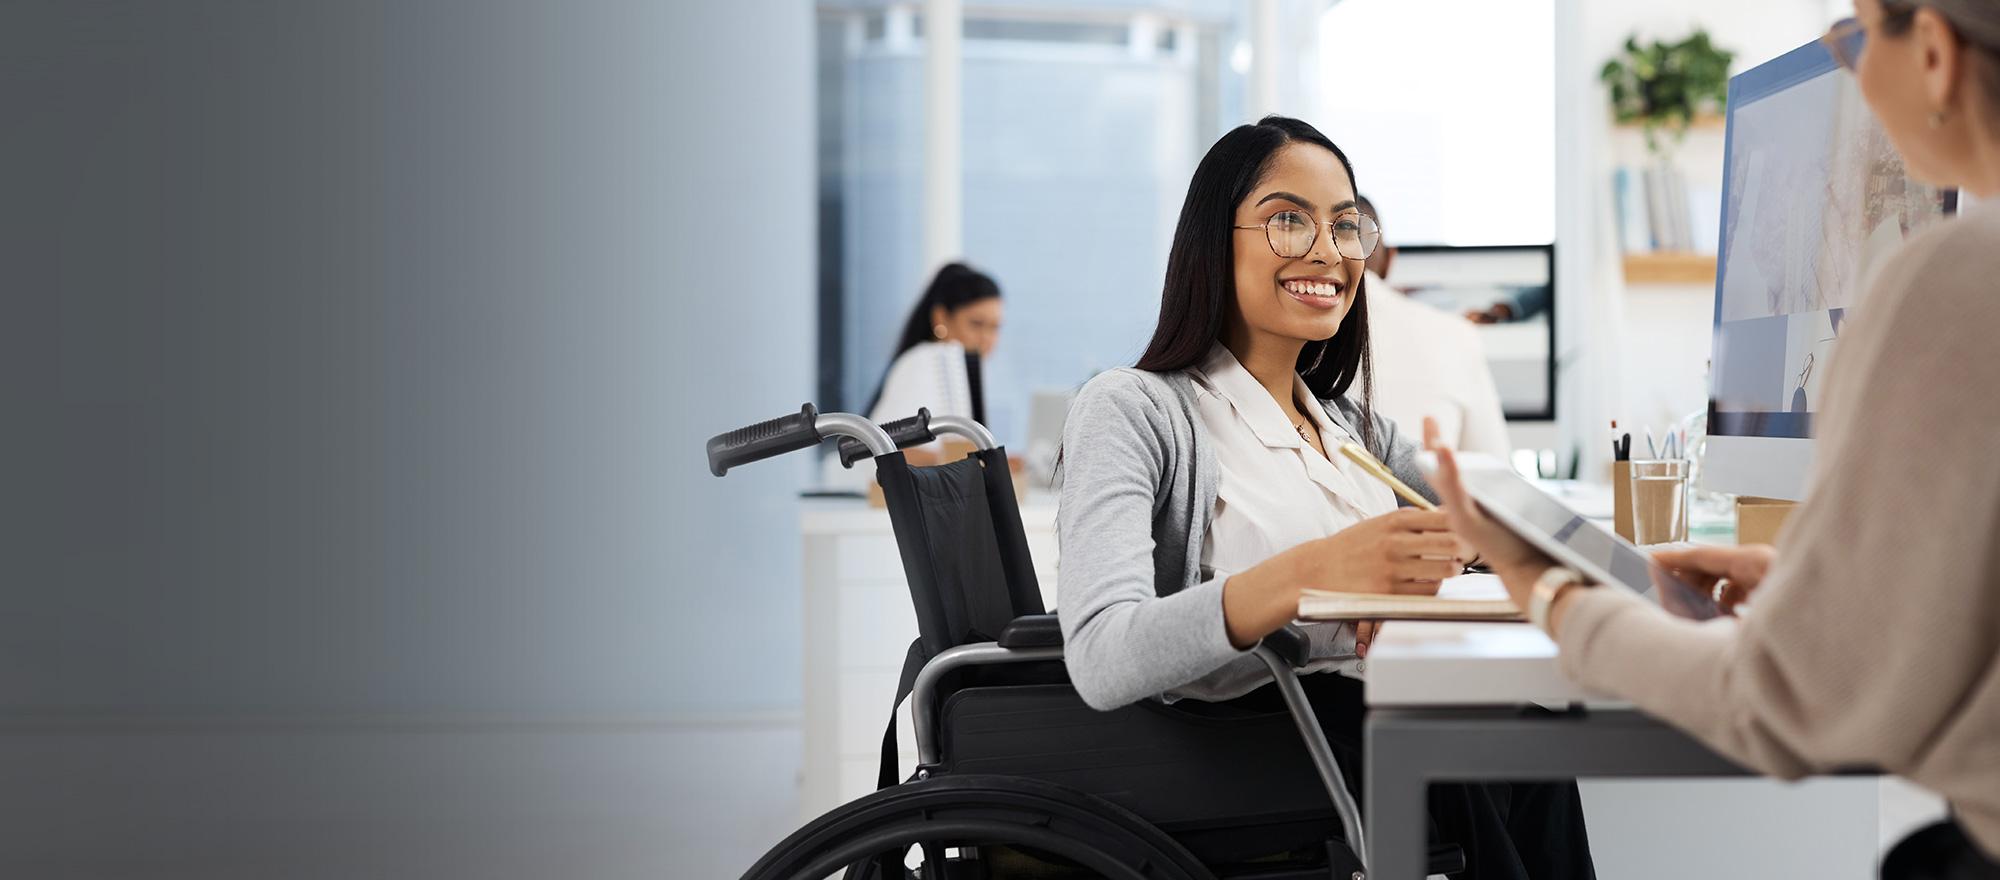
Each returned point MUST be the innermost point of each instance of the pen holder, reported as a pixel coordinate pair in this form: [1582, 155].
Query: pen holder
[1659, 490]
[1621, 499]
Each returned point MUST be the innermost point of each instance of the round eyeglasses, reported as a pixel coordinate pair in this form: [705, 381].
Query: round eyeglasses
[1844, 41]
[1292, 234]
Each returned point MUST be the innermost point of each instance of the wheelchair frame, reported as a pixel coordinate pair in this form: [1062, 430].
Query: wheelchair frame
[1281, 653]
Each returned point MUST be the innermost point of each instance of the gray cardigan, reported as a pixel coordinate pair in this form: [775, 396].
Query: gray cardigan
[1139, 617]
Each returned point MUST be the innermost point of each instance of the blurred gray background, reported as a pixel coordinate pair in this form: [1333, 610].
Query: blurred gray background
[358, 519]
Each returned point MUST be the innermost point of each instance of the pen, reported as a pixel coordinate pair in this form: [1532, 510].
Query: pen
[1625, 446]
[1651, 450]
[1377, 470]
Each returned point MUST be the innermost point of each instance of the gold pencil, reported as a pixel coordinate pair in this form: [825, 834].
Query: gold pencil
[1381, 472]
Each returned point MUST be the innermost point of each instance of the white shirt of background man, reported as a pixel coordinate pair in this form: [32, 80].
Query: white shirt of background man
[1429, 362]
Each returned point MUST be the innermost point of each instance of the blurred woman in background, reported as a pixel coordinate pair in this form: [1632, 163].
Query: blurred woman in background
[959, 312]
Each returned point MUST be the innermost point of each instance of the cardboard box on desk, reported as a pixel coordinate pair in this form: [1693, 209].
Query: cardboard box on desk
[1758, 520]
[954, 449]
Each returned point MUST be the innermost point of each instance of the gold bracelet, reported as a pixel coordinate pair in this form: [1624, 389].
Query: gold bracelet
[1548, 588]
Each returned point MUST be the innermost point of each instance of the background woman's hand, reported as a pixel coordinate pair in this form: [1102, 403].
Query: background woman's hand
[1702, 567]
[1516, 561]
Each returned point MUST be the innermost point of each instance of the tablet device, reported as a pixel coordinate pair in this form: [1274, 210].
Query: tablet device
[1576, 542]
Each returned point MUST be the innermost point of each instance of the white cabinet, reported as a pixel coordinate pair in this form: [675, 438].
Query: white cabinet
[858, 624]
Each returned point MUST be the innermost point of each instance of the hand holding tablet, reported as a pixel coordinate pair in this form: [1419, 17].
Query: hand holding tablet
[1522, 531]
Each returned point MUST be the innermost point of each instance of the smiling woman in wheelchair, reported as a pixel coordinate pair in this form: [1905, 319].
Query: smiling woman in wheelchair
[1198, 497]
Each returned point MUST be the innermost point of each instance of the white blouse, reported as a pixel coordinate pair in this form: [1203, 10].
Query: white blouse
[930, 375]
[1273, 490]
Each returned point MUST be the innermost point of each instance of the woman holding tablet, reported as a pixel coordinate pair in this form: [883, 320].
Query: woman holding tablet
[1876, 634]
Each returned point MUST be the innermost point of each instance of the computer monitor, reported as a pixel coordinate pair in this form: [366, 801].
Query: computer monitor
[1048, 409]
[1519, 339]
[1814, 198]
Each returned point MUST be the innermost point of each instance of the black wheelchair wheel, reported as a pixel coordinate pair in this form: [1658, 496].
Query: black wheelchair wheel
[1006, 813]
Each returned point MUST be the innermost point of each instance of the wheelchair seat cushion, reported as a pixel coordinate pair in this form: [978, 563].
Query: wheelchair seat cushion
[1230, 784]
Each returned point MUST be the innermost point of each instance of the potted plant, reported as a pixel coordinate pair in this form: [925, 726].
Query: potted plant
[1664, 86]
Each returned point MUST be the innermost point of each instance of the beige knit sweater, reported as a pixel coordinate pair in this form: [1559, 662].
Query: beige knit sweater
[1875, 639]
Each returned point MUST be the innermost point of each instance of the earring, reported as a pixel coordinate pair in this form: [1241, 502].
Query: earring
[938, 331]
[1938, 119]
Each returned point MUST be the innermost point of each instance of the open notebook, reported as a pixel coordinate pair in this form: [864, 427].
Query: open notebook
[1466, 597]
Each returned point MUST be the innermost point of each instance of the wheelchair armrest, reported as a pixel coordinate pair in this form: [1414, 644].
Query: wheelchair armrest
[1032, 631]
[1291, 644]
[1445, 858]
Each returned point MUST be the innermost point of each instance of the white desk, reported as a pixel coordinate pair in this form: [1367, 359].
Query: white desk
[1446, 663]
[1448, 702]
[1433, 663]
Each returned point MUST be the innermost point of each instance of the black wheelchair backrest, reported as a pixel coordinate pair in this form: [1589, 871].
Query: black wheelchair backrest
[964, 550]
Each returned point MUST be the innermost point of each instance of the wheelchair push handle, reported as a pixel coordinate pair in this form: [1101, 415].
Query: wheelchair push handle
[802, 430]
[905, 433]
[766, 439]
[911, 432]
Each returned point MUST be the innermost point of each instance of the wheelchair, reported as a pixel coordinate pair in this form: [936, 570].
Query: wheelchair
[1016, 776]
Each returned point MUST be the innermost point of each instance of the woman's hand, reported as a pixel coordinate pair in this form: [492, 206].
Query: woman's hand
[1516, 561]
[1739, 569]
[1364, 635]
[1408, 551]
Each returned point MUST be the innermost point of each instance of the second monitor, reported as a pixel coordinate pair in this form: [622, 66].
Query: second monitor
[1509, 292]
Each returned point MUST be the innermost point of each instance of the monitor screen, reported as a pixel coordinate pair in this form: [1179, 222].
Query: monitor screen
[1814, 198]
[1508, 293]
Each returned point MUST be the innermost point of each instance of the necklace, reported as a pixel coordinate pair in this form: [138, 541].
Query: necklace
[1302, 433]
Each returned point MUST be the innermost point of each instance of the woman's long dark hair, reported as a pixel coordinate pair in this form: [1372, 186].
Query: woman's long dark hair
[1201, 269]
[954, 287]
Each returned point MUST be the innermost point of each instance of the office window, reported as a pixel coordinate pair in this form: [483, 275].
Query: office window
[1080, 129]
[1448, 157]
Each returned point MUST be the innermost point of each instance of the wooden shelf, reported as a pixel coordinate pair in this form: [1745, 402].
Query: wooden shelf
[1702, 122]
[1666, 268]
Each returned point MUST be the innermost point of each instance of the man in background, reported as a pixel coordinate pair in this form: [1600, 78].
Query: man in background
[1430, 363]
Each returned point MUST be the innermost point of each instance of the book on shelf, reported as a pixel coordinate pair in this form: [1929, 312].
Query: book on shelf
[1678, 225]
[1661, 225]
[1660, 211]
[1634, 234]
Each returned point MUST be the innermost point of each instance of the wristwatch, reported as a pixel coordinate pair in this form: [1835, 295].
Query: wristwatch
[1550, 585]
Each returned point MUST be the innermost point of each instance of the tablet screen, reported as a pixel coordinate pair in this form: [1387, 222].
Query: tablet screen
[1573, 540]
